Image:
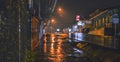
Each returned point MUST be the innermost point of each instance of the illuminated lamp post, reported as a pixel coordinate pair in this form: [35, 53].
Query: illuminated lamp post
[60, 11]
[51, 22]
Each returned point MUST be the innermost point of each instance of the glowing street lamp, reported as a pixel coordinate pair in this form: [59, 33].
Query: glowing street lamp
[58, 30]
[60, 11]
[52, 22]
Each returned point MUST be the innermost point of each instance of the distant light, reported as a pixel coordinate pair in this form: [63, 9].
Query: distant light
[79, 36]
[75, 26]
[79, 23]
[58, 29]
[43, 30]
[77, 17]
[83, 24]
[70, 30]
[52, 20]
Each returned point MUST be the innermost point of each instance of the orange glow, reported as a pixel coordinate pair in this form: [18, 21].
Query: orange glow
[59, 52]
[45, 45]
[52, 20]
[98, 32]
[56, 50]
[52, 50]
[52, 38]
[59, 9]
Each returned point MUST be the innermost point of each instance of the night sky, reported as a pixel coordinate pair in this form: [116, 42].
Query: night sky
[82, 7]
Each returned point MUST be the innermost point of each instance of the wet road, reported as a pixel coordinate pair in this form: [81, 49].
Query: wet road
[61, 49]
[57, 49]
[105, 41]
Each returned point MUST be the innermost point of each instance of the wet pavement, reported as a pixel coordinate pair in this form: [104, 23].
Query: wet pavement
[59, 49]
[105, 41]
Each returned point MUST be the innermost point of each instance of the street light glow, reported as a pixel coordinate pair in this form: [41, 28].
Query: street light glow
[52, 21]
[59, 9]
[70, 30]
[58, 29]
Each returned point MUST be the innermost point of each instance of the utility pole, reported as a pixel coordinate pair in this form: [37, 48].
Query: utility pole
[19, 30]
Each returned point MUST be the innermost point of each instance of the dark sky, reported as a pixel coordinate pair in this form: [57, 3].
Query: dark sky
[83, 7]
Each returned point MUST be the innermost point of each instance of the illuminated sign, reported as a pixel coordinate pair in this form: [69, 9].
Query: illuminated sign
[115, 20]
[78, 18]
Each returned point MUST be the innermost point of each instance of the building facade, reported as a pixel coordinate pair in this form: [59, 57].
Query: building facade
[105, 22]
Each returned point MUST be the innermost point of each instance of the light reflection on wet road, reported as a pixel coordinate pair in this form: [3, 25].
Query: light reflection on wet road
[60, 49]
[55, 49]
[105, 41]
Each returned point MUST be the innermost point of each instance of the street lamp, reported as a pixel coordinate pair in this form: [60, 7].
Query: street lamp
[52, 21]
[60, 11]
